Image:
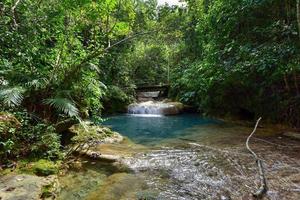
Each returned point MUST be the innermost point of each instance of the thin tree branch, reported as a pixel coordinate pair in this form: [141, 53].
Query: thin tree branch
[13, 11]
[97, 53]
[263, 185]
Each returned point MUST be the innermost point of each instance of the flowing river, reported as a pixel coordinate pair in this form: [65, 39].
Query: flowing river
[186, 157]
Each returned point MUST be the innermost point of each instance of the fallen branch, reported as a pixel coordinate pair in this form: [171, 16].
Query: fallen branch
[263, 184]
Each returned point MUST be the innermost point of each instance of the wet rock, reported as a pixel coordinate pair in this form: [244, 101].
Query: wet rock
[103, 157]
[114, 138]
[174, 108]
[293, 135]
[21, 187]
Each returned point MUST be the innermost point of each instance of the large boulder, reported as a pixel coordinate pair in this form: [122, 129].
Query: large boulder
[172, 108]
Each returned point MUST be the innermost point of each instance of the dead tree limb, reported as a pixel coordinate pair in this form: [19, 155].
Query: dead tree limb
[263, 184]
[13, 11]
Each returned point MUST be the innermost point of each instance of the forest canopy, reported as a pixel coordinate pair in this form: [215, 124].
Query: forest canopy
[62, 60]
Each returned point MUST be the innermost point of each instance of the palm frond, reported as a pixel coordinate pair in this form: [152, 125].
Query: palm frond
[94, 67]
[102, 85]
[12, 96]
[63, 105]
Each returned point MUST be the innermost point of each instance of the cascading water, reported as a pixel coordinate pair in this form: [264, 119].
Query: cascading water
[155, 108]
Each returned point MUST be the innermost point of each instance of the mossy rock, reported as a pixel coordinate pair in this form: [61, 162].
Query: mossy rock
[44, 168]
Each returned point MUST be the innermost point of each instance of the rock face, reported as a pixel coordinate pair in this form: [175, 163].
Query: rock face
[23, 186]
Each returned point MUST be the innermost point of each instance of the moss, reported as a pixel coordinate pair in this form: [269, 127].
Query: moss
[90, 133]
[45, 168]
[41, 167]
[47, 191]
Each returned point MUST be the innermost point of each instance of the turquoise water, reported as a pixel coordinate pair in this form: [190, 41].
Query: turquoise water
[148, 129]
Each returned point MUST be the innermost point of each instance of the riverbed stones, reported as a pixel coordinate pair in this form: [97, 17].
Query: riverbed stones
[23, 186]
[121, 186]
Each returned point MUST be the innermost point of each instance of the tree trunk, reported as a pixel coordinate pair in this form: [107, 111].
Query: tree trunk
[298, 16]
[296, 83]
[287, 87]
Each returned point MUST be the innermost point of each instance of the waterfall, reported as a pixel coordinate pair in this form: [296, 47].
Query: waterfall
[155, 108]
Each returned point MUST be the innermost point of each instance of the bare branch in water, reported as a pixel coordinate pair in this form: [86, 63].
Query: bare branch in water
[263, 184]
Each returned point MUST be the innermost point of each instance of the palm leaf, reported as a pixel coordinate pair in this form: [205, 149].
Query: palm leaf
[63, 105]
[94, 67]
[11, 96]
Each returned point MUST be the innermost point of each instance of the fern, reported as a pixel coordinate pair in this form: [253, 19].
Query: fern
[12, 96]
[37, 83]
[63, 105]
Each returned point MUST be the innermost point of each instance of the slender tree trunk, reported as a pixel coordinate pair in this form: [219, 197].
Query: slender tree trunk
[288, 11]
[296, 83]
[298, 16]
[287, 87]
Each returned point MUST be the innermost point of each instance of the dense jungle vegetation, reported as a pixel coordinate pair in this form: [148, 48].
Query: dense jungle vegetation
[64, 61]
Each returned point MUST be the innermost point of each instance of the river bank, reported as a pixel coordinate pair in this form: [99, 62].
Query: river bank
[204, 161]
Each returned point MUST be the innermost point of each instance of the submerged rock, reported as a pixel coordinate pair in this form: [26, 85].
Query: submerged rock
[118, 186]
[23, 186]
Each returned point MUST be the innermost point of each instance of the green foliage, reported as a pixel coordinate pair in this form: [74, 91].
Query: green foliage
[241, 56]
[51, 47]
[87, 136]
[11, 96]
[58, 60]
[88, 133]
[64, 105]
[21, 137]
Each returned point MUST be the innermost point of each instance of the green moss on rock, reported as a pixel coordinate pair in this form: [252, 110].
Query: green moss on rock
[44, 168]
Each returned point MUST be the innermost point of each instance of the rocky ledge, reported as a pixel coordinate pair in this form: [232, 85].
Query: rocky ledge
[29, 187]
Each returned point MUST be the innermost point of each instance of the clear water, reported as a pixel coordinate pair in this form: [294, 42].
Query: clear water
[148, 129]
[195, 158]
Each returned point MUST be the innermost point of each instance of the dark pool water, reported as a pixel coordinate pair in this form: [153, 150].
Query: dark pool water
[148, 129]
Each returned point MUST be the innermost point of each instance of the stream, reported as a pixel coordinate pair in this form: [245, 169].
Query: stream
[186, 157]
